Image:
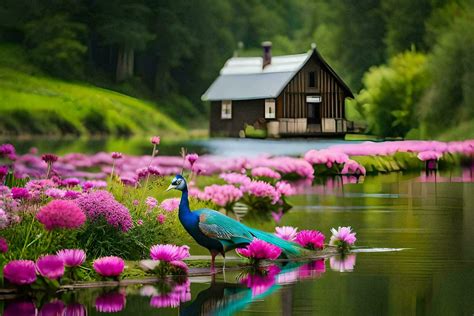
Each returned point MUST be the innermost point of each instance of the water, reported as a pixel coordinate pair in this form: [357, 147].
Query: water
[429, 269]
[229, 147]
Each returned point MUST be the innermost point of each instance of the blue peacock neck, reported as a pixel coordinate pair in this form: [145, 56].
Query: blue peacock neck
[184, 209]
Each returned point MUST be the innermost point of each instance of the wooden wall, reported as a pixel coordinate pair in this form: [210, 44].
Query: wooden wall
[293, 98]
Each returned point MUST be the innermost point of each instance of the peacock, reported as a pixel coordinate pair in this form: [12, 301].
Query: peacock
[220, 233]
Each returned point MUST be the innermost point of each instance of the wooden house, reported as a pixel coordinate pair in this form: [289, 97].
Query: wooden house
[293, 95]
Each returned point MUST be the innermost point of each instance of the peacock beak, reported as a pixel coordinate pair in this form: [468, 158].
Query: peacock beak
[170, 187]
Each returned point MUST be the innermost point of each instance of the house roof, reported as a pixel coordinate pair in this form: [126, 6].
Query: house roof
[242, 78]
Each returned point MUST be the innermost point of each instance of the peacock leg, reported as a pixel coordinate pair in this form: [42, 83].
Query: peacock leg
[213, 259]
[223, 268]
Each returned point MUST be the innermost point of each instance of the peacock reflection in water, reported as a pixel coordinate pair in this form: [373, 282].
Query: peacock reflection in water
[256, 283]
[219, 298]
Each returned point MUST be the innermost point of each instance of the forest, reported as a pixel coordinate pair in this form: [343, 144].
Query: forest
[409, 63]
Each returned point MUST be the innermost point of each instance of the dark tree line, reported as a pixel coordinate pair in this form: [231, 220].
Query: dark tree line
[171, 50]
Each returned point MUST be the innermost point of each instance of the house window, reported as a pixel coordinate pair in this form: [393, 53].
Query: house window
[312, 79]
[226, 109]
[269, 108]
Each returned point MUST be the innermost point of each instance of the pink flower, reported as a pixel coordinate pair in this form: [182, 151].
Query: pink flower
[71, 182]
[353, 167]
[3, 173]
[155, 140]
[72, 257]
[20, 193]
[55, 193]
[109, 266]
[151, 202]
[117, 155]
[61, 214]
[3, 245]
[8, 151]
[343, 263]
[49, 158]
[50, 266]
[161, 218]
[102, 204]
[259, 250]
[180, 265]
[170, 205]
[140, 222]
[20, 272]
[311, 239]
[286, 232]
[284, 188]
[169, 252]
[192, 158]
[71, 195]
[429, 155]
[222, 195]
[110, 302]
[261, 189]
[235, 178]
[342, 235]
[265, 172]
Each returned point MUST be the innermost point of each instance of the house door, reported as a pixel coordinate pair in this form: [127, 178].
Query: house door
[314, 109]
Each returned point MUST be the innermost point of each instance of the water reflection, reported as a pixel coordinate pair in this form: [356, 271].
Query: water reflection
[168, 292]
[111, 302]
[343, 262]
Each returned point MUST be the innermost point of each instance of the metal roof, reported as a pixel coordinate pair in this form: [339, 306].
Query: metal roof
[242, 78]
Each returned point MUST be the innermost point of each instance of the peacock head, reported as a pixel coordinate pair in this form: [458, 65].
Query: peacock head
[178, 183]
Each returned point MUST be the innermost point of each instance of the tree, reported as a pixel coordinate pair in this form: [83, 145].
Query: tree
[450, 100]
[391, 92]
[123, 25]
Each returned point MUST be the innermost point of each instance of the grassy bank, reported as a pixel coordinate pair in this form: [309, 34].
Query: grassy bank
[31, 103]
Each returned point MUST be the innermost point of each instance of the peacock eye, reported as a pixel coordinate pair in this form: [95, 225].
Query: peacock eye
[178, 182]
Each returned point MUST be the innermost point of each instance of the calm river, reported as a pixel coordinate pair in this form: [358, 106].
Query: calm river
[433, 275]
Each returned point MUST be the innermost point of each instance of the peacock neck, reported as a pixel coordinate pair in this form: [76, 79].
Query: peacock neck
[184, 209]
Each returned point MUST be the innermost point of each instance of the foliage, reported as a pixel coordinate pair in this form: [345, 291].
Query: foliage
[391, 92]
[41, 105]
[55, 45]
[449, 101]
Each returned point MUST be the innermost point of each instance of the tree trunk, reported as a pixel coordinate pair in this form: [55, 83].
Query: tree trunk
[120, 74]
[125, 63]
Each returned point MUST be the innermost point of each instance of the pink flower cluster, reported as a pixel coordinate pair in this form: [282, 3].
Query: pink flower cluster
[429, 155]
[265, 172]
[325, 157]
[102, 204]
[235, 178]
[221, 195]
[353, 167]
[170, 205]
[260, 250]
[61, 214]
[20, 272]
[8, 151]
[261, 189]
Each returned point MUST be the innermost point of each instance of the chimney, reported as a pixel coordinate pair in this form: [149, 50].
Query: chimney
[267, 54]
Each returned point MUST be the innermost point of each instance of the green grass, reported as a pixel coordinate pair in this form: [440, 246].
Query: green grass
[462, 131]
[32, 103]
